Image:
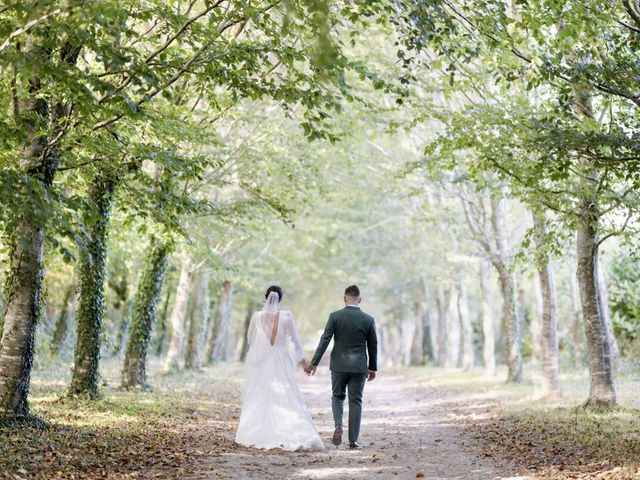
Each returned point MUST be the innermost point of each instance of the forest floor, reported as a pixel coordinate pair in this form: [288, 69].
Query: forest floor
[418, 423]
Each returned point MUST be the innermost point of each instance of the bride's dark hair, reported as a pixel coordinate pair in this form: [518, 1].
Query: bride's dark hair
[277, 289]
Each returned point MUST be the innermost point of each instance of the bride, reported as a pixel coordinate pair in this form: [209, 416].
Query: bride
[274, 414]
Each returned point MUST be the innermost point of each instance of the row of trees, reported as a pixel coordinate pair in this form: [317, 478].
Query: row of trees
[152, 146]
[127, 103]
[538, 107]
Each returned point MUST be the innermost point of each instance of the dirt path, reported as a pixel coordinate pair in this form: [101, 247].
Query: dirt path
[409, 431]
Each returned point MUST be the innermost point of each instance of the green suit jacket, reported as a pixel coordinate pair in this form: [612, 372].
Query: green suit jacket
[354, 334]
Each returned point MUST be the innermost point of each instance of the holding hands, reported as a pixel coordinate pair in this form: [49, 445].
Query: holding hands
[308, 368]
[311, 370]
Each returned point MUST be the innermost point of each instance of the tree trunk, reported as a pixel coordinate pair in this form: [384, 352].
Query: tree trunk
[602, 390]
[427, 338]
[123, 327]
[199, 319]
[245, 339]
[511, 321]
[394, 341]
[575, 330]
[441, 319]
[21, 317]
[179, 315]
[488, 331]
[144, 314]
[549, 338]
[162, 324]
[536, 319]
[1, 311]
[67, 313]
[407, 331]
[22, 309]
[606, 313]
[452, 359]
[231, 352]
[417, 346]
[468, 360]
[39, 162]
[91, 305]
[212, 330]
[224, 318]
[510, 326]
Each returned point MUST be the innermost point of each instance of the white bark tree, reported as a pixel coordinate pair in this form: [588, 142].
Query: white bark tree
[441, 325]
[468, 359]
[452, 358]
[488, 330]
[225, 307]
[606, 313]
[537, 307]
[417, 346]
[549, 333]
[492, 236]
[602, 390]
[179, 314]
[199, 320]
[575, 329]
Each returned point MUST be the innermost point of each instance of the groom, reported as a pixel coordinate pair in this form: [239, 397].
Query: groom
[354, 333]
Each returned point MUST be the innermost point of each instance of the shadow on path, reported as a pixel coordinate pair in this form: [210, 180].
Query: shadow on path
[408, 430]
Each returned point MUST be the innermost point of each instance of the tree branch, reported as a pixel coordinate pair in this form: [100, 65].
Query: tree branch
[620, 231]
[632, 10]
[597, 85]
[164, 46]
[25, 28]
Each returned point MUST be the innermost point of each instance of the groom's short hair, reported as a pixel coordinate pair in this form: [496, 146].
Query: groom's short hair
[352, 291]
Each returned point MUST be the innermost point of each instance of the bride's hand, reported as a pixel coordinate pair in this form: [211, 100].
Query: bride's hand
[306, 366]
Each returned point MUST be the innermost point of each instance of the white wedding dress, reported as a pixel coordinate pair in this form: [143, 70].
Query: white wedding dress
[274, 414]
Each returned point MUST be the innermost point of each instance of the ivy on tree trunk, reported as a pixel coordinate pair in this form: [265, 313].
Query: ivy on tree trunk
[144, 314]
[91, 305]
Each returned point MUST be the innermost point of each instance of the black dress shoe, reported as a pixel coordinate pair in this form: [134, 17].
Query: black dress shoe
[355, 446]
[337, 436]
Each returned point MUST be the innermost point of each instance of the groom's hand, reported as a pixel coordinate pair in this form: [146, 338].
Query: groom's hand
[371, 375]
[311, 370]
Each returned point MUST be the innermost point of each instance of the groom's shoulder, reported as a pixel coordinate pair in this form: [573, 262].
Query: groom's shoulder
[367, 316]
[351, 311]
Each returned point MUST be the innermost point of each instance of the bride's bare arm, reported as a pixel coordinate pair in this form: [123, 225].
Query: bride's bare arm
[292, 336]
[251, 332]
